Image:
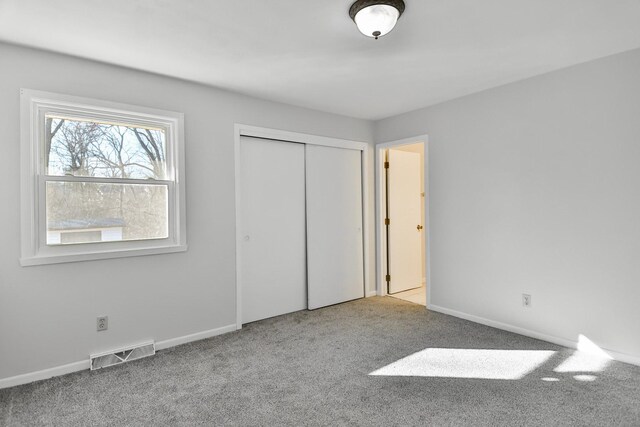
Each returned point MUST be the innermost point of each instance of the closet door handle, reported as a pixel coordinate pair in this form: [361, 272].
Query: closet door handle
[419, 227]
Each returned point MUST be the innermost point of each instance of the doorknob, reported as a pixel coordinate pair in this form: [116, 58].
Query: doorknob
[419, 227]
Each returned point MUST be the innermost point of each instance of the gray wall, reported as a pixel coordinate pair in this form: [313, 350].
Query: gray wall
[47, 313]
[535, 188]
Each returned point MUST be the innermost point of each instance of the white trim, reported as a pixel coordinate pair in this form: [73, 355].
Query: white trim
[380, 236]
[371, 293]
[45, 374]
[303, 138]
[172, 342]
[622, 357]
[34, 105]
[57, 371]
[90, 256]
[237, 133]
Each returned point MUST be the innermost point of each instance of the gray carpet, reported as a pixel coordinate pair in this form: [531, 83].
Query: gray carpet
[312, 368]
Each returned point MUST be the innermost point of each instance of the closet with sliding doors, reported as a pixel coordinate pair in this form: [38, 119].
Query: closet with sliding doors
[300, 226]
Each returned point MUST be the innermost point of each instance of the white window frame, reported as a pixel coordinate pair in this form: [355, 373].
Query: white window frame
[34, 105]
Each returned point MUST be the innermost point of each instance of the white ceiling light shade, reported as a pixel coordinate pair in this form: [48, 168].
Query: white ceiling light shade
[375, 18]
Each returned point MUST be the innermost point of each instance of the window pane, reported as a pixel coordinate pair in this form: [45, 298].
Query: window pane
[82, 212]
[91, 148]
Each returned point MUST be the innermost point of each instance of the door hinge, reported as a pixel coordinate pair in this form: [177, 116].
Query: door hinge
[388, 278]
[387, 221]
[386, 165]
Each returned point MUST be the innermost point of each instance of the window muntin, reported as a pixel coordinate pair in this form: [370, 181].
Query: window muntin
[99, 179]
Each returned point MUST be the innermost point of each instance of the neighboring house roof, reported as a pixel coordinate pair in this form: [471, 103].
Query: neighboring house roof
[79, 224]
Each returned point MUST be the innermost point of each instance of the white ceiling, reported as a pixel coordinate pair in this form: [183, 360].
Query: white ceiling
[309, 53]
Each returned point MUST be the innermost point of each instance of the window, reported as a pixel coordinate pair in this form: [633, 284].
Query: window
[99, 180]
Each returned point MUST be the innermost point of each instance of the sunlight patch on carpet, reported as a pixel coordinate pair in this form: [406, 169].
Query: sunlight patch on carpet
[588, 358]
[467, 363]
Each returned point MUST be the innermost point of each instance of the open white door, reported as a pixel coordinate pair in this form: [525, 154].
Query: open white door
[335, 261]
[405, 228]
[272, 219]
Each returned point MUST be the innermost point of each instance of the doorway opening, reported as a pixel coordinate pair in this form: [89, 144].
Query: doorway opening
[402, 220]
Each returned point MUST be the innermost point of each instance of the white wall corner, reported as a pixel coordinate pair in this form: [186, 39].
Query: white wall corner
[621, 357]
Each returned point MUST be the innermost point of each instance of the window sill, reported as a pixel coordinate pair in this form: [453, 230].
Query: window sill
[91, 256]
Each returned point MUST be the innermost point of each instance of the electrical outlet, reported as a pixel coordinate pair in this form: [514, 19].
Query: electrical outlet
[102, 323]
[526, 300]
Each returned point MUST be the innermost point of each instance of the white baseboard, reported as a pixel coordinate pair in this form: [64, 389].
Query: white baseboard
[44, 374]
[161, 345]
[371, 294]
[622, 357]
[85, 364]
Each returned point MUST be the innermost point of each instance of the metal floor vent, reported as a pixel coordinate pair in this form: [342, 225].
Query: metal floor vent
[117, 357]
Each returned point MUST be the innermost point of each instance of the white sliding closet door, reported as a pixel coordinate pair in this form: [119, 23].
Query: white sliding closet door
[273, 253]
[335, 264]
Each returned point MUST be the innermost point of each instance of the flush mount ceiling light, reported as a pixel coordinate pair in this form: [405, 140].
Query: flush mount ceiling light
[375, 18]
